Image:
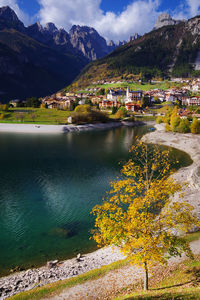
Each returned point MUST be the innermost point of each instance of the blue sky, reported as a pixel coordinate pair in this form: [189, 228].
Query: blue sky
[114, 19]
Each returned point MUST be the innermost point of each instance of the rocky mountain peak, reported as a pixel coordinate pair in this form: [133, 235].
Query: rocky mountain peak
[9, 19]
[134, 37]
[50, 27]
[8, 14]
[164, 20]
[88, 41]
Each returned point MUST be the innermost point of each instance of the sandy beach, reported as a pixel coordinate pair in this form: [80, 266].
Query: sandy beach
[189, 143]
[55, 129]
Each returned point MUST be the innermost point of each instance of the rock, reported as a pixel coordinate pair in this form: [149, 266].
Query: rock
[165, 20]
[52, 264]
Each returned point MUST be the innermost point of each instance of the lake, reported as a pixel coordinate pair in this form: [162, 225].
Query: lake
[49, 184]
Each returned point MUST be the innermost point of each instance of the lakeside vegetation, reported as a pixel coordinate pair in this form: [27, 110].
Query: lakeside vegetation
[173, 121]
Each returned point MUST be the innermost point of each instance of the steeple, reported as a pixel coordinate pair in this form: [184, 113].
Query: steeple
[127, 93]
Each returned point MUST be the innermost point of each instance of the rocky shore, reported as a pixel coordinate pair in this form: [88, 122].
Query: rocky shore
[189, 143]
[50, 129]
[55, 270]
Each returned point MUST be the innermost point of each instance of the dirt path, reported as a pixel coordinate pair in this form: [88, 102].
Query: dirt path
[107, 286]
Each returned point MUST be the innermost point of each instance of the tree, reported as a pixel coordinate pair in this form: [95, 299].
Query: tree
[101, 92]
[195, 126]
[174, 122]
[184, 126]
[33, 102]
[121, 113]
[20, 116]
[33, 116]
[138, 215]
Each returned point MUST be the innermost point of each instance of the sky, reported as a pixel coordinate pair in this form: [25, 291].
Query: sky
[113, 19]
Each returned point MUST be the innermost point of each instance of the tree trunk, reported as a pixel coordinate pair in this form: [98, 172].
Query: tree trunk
[146, 277]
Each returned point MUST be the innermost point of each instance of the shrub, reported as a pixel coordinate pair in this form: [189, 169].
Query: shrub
[184, 126]
[121, 113]
[114, 110]
[159, 120]
[94, 116]
[167, 127]
[166, 120]
[195, 126]
[2, 116]
[174, 122]
[83, 108]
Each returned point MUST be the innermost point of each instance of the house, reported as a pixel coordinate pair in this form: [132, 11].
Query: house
[109, 104]
[133, 96]
[193, 101]
[16, 102]
[132, 106]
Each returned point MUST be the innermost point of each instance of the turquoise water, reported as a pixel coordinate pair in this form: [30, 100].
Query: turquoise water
[49, 184]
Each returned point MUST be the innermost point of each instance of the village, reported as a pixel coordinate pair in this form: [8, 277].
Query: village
[109, 98]
[187, 95]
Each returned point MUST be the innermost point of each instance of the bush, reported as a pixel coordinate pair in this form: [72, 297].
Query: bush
[174, 122]
[159, 120]
[2, 116]
[114, 110]
[94, 116]
[167, 127]
[166, 120]
[195, 126]
[184, 126]
[83, 108]
[4, 107]
[121, 113]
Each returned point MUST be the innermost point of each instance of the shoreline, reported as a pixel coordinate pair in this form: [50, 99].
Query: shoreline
[57, 270]
[63, 129]
[188, 143]
[26, 280]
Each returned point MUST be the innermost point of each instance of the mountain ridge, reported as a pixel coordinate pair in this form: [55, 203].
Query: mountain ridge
[167, 51]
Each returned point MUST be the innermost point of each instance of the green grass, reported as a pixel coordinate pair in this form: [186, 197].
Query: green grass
[190, 237]
[180, 282]
[34, 116]
[136, 86]
[175, 294]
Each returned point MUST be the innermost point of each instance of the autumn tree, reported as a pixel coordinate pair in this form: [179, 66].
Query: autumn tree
[195, 126]
[138, 214]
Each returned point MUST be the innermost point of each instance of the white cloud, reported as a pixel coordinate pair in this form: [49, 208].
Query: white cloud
[13, 4]
[137, 17]
[194, 7]
[187, 9]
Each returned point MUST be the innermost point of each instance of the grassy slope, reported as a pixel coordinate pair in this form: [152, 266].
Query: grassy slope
[35, 116]
[176, 282]
[59, 286]
[165, 85]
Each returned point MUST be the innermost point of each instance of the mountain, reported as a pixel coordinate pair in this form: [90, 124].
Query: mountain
[88, 41]
[169, 50]
[39, 60]
[9, 19]
[81, 40]
[28, 67]
[165, 20]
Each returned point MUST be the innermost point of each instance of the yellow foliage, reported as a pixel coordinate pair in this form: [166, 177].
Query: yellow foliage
[138, 215]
